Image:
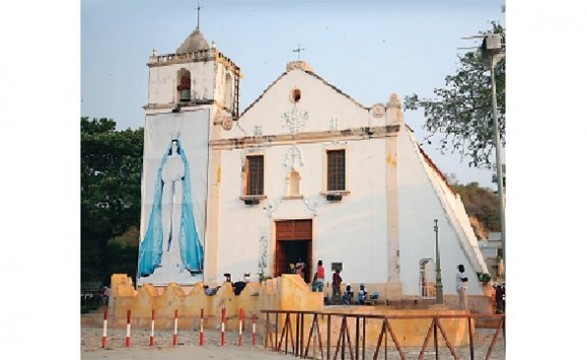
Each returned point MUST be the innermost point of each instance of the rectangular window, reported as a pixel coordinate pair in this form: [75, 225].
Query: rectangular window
[336, 175]
[255, 175]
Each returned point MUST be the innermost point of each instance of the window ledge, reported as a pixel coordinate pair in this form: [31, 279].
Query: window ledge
[293, 197]
[252, 199]
[336, 195]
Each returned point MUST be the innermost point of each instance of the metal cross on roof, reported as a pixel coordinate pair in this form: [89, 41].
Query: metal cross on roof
[298, 50]
[198, 9]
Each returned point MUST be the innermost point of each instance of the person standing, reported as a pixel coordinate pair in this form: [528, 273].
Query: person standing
[336, 281]
[106, 295]
[318, 281]
[348, 294]
[362, 294]
[462, 286]
[300, 267]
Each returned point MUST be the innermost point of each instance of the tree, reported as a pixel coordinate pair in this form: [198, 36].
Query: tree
[462, 111]
[111, 163]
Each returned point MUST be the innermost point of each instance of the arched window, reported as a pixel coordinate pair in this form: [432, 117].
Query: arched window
[228, 88]
[184, 86]
[427, 278]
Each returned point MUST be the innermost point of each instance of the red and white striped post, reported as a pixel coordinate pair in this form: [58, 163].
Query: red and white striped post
[152, 337]
[253, 328]
[175, 328]
[240, 326]
[222, 326]
[127, 342]
[105, 327]
[201, 327]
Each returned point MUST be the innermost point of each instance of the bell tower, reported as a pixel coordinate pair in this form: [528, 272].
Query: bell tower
[193, 96]
[196, 74]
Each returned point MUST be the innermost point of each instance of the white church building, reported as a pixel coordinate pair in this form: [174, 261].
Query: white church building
[305, 173]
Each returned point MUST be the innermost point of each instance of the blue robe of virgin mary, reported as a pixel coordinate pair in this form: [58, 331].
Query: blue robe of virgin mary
[190, 248]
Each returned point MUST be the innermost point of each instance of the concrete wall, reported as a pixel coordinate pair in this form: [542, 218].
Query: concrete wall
[285, 293]
[288, 292]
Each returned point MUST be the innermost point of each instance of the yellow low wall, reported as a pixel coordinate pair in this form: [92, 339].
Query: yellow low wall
[408, 332]
[288, 292]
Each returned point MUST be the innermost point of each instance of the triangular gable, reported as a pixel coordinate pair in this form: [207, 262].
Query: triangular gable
[321, 108]
[454, 208]
[309, 73]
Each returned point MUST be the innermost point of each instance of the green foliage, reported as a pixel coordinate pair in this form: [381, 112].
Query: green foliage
[484, 277]
[462, 112]
[111, 163]
[130, 238]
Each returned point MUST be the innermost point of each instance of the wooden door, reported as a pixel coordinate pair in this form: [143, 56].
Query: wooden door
[293, 242]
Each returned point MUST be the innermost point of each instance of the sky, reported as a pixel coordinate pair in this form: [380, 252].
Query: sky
[45, 43]
[368, 49]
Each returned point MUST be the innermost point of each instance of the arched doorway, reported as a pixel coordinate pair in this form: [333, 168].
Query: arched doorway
[427, 278]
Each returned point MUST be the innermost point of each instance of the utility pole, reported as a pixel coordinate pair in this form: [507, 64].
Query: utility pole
[438, 286]
[491, 51]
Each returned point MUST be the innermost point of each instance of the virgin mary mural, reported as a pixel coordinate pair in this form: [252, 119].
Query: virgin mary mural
[171, 245]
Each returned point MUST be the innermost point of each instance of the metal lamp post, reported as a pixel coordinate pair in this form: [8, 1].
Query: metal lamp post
[491, 51]
[438, 286]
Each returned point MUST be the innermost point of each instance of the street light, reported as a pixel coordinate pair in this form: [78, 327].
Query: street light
[491, 51]
[438, 286]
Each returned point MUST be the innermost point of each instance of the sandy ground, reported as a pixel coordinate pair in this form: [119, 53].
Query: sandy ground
[188, 346]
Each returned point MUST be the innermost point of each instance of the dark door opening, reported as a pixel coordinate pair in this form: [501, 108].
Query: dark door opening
[289, 252]
[294, 242]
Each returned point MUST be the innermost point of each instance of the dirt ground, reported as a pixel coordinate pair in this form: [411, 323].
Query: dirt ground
[188, 346]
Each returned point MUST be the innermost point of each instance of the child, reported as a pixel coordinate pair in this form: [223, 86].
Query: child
[348, 294]
[362, 294]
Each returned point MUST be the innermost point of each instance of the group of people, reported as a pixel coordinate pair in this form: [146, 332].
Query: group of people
[346, 298]
[337, 296]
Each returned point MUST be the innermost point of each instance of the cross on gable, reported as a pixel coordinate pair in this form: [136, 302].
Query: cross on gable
[298, 50]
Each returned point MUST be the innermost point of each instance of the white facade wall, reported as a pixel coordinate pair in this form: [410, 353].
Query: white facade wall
[352, 231]
[419, 204]
[322, 104]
